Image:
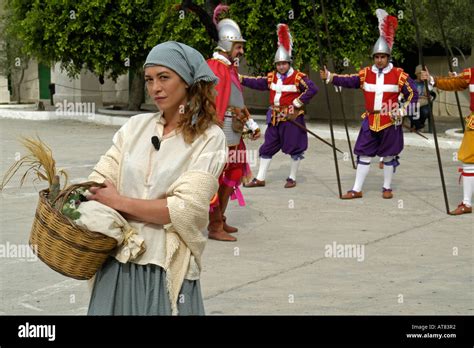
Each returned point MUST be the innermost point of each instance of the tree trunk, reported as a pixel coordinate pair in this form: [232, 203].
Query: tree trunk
[17, 80]
[18, 87]
[137, 90]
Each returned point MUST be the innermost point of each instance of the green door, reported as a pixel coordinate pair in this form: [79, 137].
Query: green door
[44, 73]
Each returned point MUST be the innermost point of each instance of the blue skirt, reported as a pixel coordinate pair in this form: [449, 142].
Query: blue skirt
[132, 289]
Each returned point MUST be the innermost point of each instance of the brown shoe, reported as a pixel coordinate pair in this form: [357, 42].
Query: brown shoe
[461, 209]
[352, 194]
[290, 183]
[222, 236]
[216, 227]
[224, 194]
[255, 183]
[228, 228]
[387, 193]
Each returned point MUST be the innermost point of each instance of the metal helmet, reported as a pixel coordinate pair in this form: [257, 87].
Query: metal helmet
[387, 29]
[229, 33]
[381, 46]
[285, 44]
[282, 55]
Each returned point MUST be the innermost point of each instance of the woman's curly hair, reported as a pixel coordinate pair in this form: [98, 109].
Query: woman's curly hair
[201, 96]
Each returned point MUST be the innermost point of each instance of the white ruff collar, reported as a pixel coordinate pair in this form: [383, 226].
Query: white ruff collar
[218, 56]
[385, 70]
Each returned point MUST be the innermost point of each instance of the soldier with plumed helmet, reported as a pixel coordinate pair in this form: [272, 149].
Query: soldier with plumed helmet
[381, 133]
[290, 90]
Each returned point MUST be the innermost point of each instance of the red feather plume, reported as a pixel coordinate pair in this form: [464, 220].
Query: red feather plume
[389, 29]
[284, 37]
[387, 26]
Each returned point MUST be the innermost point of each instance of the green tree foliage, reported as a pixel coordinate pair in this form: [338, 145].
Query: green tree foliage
[456, 20]
[107, 37]
[178, 23]
[102, 36]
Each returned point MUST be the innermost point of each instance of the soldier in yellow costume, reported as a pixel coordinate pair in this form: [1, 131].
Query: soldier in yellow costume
[466, 152]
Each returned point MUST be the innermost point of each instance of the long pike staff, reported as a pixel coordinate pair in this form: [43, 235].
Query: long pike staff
[446, 48]
[331, 57]
[327, 100]
[312, 133]
[422, 62]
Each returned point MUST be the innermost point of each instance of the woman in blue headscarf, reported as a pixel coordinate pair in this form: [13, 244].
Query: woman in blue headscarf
[160, 174]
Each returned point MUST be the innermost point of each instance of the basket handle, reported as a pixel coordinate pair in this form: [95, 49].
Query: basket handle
[63, 195]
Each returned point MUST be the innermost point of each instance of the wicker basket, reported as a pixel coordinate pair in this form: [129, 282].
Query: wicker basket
[65, 247]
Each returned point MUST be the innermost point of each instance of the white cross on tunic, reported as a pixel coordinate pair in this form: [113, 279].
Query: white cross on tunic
[379, 88]
[279, 87]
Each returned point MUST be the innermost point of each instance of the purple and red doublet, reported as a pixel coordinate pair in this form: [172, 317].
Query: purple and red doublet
[293, 89]
[379, 136]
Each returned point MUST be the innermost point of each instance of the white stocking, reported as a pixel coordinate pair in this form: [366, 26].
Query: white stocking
[361, 173]
[294, 168]
[468, 184]
[262, 170]
[387, 173]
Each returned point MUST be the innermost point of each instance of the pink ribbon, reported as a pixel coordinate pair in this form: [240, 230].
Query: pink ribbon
[237, 194]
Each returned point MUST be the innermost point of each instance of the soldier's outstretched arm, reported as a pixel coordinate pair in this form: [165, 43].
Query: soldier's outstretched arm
[448, 83]
[346, 81]
[254, 82]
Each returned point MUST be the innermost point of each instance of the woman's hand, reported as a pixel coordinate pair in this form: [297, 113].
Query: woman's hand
[153, 211]
[107, 195]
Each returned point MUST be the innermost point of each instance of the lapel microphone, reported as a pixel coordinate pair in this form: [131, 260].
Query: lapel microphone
[156, 142]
